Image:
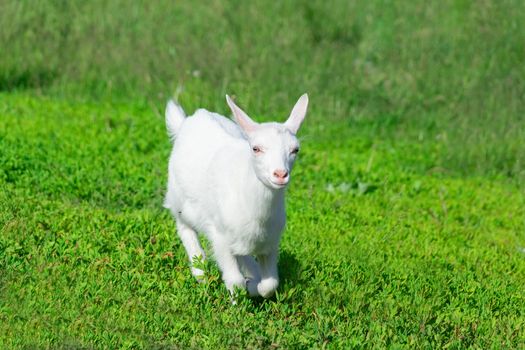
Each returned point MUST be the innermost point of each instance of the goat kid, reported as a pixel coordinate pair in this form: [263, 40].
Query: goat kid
[228, 181]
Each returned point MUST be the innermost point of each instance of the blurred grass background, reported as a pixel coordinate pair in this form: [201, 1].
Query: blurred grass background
[446, 72]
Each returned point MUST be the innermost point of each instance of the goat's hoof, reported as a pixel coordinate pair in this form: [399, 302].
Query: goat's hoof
[267, 287]
[233, 283]
[198, 274]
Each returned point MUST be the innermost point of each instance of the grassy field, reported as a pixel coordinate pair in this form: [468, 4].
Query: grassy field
[406, 214]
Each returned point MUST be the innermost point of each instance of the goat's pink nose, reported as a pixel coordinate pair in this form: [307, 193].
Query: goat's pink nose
[280, 174]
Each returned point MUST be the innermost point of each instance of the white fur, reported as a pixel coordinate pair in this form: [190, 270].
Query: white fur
[218, 185]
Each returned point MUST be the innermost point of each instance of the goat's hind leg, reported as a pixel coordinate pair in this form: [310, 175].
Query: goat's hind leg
[191, 243]
[252, 273]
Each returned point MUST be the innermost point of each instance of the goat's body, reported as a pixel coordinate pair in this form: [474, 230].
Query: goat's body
[227, 180]
[204, 178]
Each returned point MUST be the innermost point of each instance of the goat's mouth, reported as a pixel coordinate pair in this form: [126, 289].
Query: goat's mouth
[279, 184]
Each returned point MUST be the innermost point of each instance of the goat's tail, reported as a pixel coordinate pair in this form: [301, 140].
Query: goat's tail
[174, 117]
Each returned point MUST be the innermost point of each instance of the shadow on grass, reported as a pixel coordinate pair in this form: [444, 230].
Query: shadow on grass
[289, 268]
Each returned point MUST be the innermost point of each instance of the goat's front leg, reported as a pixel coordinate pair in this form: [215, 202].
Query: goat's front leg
[231, 274]
[269, 274]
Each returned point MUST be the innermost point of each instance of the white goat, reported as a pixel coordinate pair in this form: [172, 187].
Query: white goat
[228, 181]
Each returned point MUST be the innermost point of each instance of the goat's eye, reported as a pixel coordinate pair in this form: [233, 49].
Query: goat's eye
[256, 149]
[295, 150]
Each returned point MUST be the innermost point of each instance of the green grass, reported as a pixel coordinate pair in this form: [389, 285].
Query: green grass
[377, 252]
[406, 214]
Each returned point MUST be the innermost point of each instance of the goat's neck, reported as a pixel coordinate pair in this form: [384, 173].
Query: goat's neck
[266, 201]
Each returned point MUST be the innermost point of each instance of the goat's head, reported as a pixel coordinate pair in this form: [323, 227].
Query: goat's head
[274, 146]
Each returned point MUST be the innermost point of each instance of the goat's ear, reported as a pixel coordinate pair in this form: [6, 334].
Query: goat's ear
[298, 113]
[242, 119]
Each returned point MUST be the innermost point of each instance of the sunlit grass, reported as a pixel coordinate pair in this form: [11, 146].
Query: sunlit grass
[380, 249]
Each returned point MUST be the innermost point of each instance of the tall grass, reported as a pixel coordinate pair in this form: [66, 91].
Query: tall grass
[447, 72]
